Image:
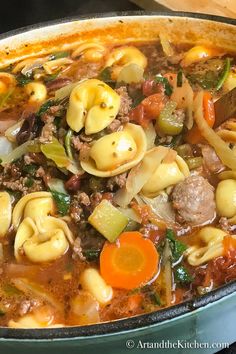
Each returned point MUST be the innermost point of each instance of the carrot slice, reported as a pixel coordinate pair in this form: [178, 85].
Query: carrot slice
[194, 136]
[129, 263]
[229, 244]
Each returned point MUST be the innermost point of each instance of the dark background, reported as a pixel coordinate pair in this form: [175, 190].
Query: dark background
[19, 13]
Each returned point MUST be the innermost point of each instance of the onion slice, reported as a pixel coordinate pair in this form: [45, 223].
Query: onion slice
[140, 174]
[223, 151]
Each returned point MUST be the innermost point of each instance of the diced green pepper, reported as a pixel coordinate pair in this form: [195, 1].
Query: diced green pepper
[108, 220]
[194, 162]
[168, 123]
[184, 150]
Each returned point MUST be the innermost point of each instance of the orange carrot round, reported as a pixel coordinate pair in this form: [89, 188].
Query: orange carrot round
[194, 136]
[130, 262]
[229, 244]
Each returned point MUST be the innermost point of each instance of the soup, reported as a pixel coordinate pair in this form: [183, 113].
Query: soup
[117, 196]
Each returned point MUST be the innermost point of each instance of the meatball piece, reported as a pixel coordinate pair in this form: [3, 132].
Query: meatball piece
[194, 201]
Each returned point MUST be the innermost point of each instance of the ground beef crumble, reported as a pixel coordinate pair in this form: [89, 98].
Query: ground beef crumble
[118, 181]
[123, 114]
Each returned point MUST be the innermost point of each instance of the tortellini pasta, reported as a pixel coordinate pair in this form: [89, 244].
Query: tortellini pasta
[36, 91]
[198, 53]
[5, 213]
[116, 152]
[212, 238]
[122, 56]
[34, 205]
[166, 175]
[42, 240]
[40, 237]
[90, 52]
[92, 105]
[42, 317]
[226, 198]
[7, 82]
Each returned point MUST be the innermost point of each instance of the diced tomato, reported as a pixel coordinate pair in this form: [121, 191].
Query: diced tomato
[108, 196]
[149, 87]
[149, 109]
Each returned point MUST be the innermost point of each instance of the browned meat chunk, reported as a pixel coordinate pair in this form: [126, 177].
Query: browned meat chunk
[57, 84]
[194, 201]
[211, 160]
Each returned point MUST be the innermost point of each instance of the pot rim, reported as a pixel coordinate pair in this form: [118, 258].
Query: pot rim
[145, 320]
[140, 13]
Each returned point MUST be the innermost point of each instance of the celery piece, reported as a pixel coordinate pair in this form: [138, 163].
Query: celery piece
[56, 152]
[168, 122]
[108, 220]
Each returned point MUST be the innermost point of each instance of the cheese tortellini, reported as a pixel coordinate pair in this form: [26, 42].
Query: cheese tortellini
[34, 205]
[116, 152]
[36, 91]
[43, 240]
[92, 105]
[226, 198]
[41, 317]
[166, 175]
[40, 237]
[7, 82]
[5, 213]
[89, 52]
[212, 238]
[123, 56]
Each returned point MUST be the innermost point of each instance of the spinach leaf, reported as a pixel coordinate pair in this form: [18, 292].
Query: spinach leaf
[182, 275]
[224, 74]
[23, 80]
[177, 247]
[59, 55]
[51, 77]
[137, 99]
[11, 290]
[29, 182]
[180, 78]
[45, 106]
[30, 169]
[91, 255]
[62, 201]
[105, 75]
[155, 297]
[167, 86]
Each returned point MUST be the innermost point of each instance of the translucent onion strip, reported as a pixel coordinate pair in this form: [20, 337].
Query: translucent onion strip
[140, 174]
[223, 151]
